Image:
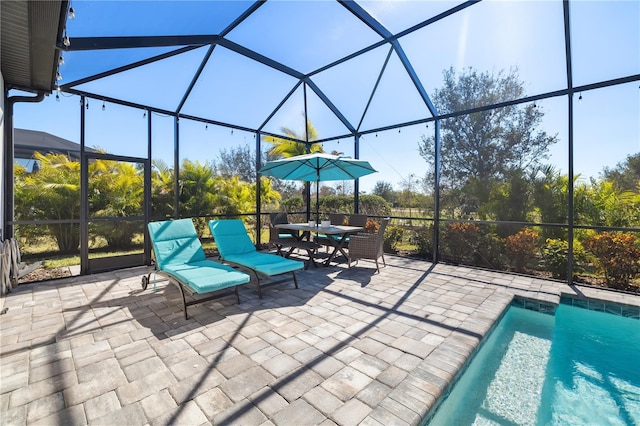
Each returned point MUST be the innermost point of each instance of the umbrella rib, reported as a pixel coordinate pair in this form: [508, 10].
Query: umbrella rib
[356, 165]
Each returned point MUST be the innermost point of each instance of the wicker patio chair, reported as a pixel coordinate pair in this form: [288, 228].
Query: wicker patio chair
[358, 220]
[337, 218]
[279, 237]
[368, 246]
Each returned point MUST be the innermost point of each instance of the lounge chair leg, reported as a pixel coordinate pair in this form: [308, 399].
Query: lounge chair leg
[258, 284]
[184, 302]
[383, 261]
[145, 281]
[237, 295]
[295, 280]
[377, 267]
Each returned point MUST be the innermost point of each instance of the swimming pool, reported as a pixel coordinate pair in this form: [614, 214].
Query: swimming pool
[579, 367]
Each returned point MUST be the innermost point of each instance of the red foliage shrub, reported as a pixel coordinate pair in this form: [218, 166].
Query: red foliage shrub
[371, 226]
[617, 255]
[460, 241]
[522, 248]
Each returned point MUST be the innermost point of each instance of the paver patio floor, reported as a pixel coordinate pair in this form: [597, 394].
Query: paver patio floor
[348, 347]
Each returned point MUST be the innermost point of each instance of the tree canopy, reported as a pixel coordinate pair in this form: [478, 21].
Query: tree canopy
[483, 149]
[238, 161]
[384, 190]
[626, 174]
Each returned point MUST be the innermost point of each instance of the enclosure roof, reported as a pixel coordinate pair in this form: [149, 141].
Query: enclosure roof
[240, 63]
[348, 67]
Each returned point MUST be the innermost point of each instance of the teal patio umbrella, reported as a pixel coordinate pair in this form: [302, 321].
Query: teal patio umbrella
[317, 167]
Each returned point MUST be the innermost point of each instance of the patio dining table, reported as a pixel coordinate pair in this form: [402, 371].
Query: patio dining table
[341, 231]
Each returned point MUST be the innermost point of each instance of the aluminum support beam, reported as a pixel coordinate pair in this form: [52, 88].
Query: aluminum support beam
[260, 58]
[176, 167]
[397, 36]
[284, 100]
[414, 77]
[106, 43]
[128, 67]
[436, 192]
[383, 32]
[195, 78]
[367, 19]
[240, 19]
[375, 87]
[258, 189]
[84, 194]
[330, 105]
[356, 184]
[567, 45]
[147, 211]
[436, 18]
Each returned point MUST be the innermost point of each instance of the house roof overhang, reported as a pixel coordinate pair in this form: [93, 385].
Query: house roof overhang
[29, 32]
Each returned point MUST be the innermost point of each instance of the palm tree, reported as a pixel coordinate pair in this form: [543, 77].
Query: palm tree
[162, 189]
[199, 191]
[116, 189]
[50, 193]
[288, 148]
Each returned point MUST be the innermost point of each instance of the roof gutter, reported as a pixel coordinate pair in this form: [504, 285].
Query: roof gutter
[8, 202]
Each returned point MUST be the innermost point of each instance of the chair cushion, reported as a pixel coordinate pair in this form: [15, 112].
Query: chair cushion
[175, 242]
[206, 275]
[231, 237]
[265, 263]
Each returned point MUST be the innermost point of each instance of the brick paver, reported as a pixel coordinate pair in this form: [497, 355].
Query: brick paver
[98, 350]
[351, 413]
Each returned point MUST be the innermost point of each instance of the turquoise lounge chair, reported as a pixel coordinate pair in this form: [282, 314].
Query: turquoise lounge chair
[236, 248]
[179, 257]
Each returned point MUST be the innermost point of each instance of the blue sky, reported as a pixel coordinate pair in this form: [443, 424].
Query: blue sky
[490, 36]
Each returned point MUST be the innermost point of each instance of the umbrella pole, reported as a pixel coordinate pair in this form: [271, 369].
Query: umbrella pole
[318, 199]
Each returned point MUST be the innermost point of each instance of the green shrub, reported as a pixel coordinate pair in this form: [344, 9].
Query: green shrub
[617, 255]
[460, 241]
[371, 205]
[423, 240]
[119, 236]
[335, 203]
[292, 204]
[490, 253]
[392, 236]
[522, 248]
[555, 254]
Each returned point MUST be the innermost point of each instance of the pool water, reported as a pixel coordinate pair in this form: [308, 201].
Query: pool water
[579, 367]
